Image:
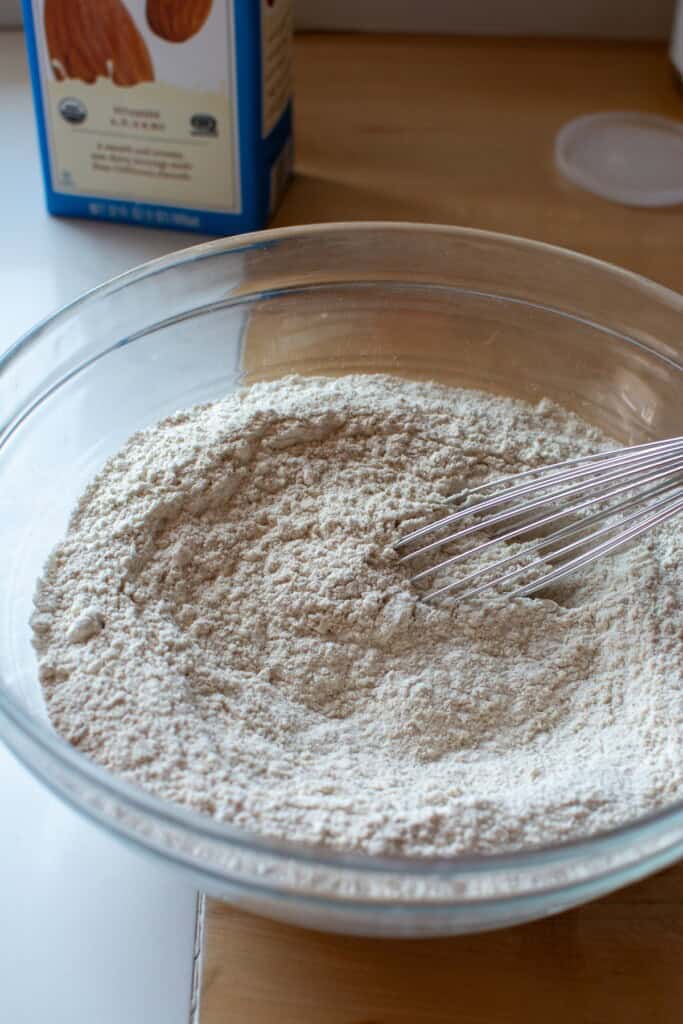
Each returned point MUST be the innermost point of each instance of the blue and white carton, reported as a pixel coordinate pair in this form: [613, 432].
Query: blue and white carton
[169, 113]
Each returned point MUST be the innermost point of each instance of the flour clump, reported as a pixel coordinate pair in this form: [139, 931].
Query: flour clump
[227, 625]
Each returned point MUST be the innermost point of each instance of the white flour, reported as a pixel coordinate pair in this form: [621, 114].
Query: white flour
[227, 625]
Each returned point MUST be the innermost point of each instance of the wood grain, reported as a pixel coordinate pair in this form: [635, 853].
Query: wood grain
[461, 132]
[616, 961]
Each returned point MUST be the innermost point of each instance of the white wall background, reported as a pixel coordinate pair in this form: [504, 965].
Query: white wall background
[625, 19]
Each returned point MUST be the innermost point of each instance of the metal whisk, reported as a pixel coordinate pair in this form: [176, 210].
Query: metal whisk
[634, 489]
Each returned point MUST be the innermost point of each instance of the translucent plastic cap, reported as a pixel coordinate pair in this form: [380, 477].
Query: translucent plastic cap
[630, 158]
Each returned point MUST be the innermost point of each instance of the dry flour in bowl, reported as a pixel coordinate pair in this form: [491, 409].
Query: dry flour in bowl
[227, 625]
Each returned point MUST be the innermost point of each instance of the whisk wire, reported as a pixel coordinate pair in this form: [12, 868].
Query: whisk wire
[572, 527]
[508, 513]
[631, 451]
[545, 543]
[601, 549]
[516, 509]
[642, 463]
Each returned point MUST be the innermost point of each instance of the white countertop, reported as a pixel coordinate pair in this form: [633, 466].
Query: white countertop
[92, 932]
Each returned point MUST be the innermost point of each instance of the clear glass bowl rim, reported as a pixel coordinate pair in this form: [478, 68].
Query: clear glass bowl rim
[203, 827]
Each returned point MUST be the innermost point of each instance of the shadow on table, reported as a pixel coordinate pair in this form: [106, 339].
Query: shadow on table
[312, 199]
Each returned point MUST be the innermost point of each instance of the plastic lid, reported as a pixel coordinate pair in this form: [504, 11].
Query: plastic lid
[630, 158]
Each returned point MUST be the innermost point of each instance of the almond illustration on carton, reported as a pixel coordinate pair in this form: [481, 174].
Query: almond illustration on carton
[177, 20]
[91, 39]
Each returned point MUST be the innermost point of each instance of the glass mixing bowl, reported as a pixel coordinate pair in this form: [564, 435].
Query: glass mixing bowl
[454, 305]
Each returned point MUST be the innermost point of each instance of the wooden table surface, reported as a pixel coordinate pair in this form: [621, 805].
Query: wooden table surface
[461, 132]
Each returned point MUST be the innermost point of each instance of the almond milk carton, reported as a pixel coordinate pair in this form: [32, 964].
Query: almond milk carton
[171, 113]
